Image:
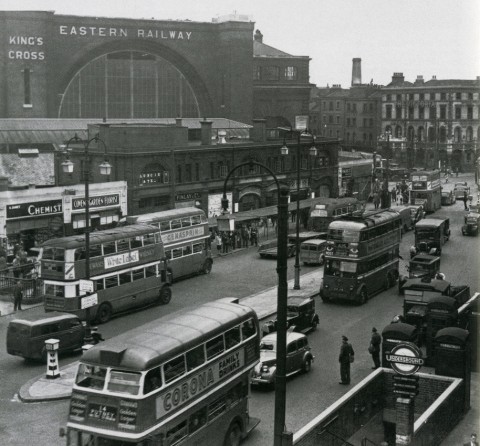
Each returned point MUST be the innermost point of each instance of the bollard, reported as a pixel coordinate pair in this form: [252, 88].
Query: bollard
[53, 371]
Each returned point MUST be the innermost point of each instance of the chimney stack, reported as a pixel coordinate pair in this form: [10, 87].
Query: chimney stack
[419, 80]
[206, 132]
[398, 77]
[357, 71]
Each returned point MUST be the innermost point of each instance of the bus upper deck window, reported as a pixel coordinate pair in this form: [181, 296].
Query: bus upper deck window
[91, 376]
[196, 220]
[248, 329]
[174, 369]
[175, 224]
[59, 255]
[186, 222]
[148, 239]
[136, 242]
[195, 357]
[165, 226]
[109, 248]
[124, 382]
[153, 380]
[79, 254]
[215, 347]
[123, 245]
[232, 337]
[95, 250]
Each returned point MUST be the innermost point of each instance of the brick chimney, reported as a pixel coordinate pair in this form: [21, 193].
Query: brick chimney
[206, 132]
[419, 80]
[259, 131]
[398, 77]
[356, 71]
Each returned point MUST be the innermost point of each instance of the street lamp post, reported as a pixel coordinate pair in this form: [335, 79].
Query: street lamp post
[386, 202]
[282, 293]
[105, 169]
[313, 152]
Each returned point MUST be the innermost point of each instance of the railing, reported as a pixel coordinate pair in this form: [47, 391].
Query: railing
[27, 275]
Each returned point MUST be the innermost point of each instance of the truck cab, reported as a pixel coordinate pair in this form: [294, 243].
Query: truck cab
[430, 236]
[421, 266]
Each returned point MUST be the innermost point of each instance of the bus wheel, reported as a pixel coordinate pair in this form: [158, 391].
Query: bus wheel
[165, 295]
[207, 266]
[104, 314]
[363, 297]
[234, 435]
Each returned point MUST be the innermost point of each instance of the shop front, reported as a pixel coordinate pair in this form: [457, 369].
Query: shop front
[28, 217]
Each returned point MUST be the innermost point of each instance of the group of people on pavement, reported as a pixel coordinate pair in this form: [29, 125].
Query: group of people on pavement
[243, 237]
[347, 355]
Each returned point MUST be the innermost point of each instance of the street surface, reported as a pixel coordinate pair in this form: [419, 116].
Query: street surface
[241, 274]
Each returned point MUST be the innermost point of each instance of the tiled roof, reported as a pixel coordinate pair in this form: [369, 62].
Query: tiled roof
[452, 83]
[22, 171]
[260, 49]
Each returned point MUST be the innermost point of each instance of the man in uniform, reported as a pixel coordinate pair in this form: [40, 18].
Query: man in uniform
[345, 358]
[374, 348]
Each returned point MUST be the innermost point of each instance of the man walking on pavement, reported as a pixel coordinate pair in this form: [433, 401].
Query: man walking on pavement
[465, 199]
[345, 358]
[17, 296]
[374, 348]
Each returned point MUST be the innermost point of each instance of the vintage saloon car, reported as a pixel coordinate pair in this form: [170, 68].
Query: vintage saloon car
[448, 198]
[301, 316]
[472, 221]
[299, 358]
[460, 189]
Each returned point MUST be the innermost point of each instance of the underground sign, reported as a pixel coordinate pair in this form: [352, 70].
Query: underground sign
[405, 358]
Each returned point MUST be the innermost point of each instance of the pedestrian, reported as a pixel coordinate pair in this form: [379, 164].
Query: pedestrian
[253, 236]
[345, 358]
[17, 267]
[440, 276]
[374, 348]
[465, 199]
[473, 440]
[376, 200]
[456, 172]
[446, 177]
[17, 296]
[218, 241]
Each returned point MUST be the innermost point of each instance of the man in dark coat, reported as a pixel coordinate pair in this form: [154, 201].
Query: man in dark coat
[345, 358]
[465, 200]
[374, 348]
[17, 296]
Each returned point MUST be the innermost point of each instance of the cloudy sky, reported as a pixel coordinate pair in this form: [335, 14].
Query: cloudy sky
[426, 37]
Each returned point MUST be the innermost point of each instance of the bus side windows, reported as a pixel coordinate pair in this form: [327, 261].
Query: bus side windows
[123, 245]
[187, 250]
[150, 271]
[215, 347]
[168, 254]
[153, 380]
[174, 369]
[125, 277]
[136, 242]
[248, 329]
[109, 248]
[165, 226]
[95, 251]
[100, 286]
[138, 274]
[111, 281]
[79, 254]
[232, 337]
[195, 357]
[148, 239]
[186, 222]
[175, 224]
[176, 253]
[197, 247]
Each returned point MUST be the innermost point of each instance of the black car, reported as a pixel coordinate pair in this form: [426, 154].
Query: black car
[301, 316]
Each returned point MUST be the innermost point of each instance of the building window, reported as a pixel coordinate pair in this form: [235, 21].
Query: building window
[470, 96]
[422, 96]
[257, 73]
[388, 111]
[223, 168]
[398, 111]
[354, 122]
[470, 112]
[348, 122]
[458, 112]
[27, 97]
[443, 111]
[458, 96]
[365, 107]
[348, 106]
[338, 105]
[179, 174]
[338, 134]
[197, 172]
[421, 112]
[371, 122]
[354, 106]
[389, 97]
[330, 119]
[443, 96]
[370, 107]
[212, 170]
[433, 112]
[291, 73]
[188, 173]
[365, 123]
[330, 106]
[338, 119]
[399, 98]
[410, 112]
[271, 73]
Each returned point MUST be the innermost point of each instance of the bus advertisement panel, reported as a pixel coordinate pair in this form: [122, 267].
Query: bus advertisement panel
[186, 237]
[426, 189]
[182, 379]
[361, 256]
[127, 269]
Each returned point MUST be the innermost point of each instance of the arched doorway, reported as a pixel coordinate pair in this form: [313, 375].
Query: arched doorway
[324, 191]
[128, 84]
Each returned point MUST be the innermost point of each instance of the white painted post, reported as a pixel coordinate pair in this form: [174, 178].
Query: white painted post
[53, 371]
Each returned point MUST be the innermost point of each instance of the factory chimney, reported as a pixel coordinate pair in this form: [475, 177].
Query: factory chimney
[357, 71]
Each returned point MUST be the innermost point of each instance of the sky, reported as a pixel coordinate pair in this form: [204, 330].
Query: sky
[413, 37]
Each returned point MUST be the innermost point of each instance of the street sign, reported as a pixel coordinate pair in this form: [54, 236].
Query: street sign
[405, 358]
[89, 301]
[405, 385]
[86, 285]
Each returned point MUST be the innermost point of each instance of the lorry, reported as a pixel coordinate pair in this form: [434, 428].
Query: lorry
[421, 266]
[430, 236]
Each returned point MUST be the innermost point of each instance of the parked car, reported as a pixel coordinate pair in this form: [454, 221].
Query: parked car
[472, 221]
[26, 336]
[299, 358]
[301, 316]
[448, 198]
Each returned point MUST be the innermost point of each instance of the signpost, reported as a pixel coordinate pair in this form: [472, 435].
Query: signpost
[89, 301]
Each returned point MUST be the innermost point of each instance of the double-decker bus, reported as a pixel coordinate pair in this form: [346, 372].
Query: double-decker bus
[426, 189]
[182, 379]
[186, 238]
[329, 209]
[361, 256]
[127, 269]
